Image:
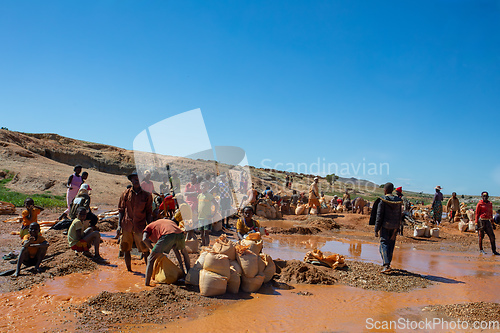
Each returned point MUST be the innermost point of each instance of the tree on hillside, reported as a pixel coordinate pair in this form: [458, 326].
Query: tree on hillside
[331, 178]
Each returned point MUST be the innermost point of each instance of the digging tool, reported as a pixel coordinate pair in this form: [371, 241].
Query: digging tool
[171, 185]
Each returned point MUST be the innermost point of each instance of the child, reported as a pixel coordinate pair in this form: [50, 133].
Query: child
[30, 215]
[34, 249]
[205, 201]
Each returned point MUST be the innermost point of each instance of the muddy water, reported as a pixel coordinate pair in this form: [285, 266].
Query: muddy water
[462, 278]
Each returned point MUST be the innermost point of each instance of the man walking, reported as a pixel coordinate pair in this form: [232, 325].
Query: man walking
[314, 196]
[453, 206]
[388, 222]
[484, 214]
[135, 212]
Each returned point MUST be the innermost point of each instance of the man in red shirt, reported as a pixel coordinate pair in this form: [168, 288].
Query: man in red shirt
[484, 214]
[135, 212]
[167, 235]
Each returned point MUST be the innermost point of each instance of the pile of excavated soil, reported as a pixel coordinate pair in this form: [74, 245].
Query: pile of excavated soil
[161, 304]
[312, 225]
[356, 274]
[470, 312]
[60, 260]
[108, 224]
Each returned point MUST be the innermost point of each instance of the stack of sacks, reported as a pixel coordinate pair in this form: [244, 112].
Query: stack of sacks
[254, 242]
[165, 271]
[215, 274]
[316, 257]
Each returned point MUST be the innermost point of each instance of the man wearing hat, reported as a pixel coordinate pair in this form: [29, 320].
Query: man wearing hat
[135, 212]
[437, 206]
[314, 196]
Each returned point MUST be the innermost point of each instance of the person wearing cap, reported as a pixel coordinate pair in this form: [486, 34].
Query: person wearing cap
[147, 185]
[73, 184]
[314, 196]
[437, 206]
[453, 206]
[484, 215]
[82, 199]
[135, 210]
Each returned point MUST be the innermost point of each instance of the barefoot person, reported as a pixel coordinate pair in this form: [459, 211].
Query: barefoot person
[135, 210]
[29, 215]
[81, 236]
[484, 214]
[314, 196]
[437, 206]
[388, 221]
[34, 249]
[167, 236]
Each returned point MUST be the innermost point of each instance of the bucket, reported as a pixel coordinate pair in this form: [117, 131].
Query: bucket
[472, 226]
[427, 231]
[418, 232]
[435, 232]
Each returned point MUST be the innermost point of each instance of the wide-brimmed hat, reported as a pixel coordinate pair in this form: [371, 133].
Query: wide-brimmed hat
[133, 174]
[438, 188]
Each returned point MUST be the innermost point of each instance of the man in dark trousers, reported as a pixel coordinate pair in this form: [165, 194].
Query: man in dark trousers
[388, 222]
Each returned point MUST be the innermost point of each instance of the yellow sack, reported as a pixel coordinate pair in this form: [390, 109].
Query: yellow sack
[165, 271]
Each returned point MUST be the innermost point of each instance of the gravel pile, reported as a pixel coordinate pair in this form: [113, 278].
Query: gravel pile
[470, 312]
[356, 274]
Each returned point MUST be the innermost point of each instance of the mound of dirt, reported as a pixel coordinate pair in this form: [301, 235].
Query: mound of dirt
[108, 224]
[60, 260]
[356, 274]
[158, 305]
[470, 312]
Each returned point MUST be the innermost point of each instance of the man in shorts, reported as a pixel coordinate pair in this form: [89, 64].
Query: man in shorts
[34, 249]
[81, 237]
[167, 236]
[135, 210]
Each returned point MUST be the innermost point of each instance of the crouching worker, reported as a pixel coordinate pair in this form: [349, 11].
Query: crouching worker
[81, 237]
[34, 249]
[167, 235]
[247, 224]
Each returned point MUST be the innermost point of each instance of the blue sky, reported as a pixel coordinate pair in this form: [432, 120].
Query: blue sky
[411, 84]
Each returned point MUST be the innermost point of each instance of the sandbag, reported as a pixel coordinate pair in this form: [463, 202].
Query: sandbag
[234, 264]
[193, 276]
[472, 226]
[292, 210]
[261, 264]
[300, 209]
[324, 210]
[471, 215]
[427, 231]
[7, 208]
[217, 263]
[224, 246]
[248, 263]
[251, 285]
[462, 226]
[233, 284]
[254, 246]
[212, 284]
[273, 212]
[261, 213]
[165, 271]
[279, 215]
[270, 269]
[217, 226]
[192, 246]
[435, 232]
[313, 211]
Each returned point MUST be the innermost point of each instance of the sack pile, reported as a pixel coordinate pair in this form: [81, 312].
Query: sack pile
[229, 267]
[316, 257]
[266, 208]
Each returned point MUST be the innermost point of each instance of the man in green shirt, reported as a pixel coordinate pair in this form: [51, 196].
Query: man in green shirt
[81, 237]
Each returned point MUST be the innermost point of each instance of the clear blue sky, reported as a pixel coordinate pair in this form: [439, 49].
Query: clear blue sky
[414, 84]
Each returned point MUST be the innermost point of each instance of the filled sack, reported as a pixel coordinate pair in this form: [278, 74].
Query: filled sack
[165, 271]
[217, 263]
[225, 246]
[212, 284]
